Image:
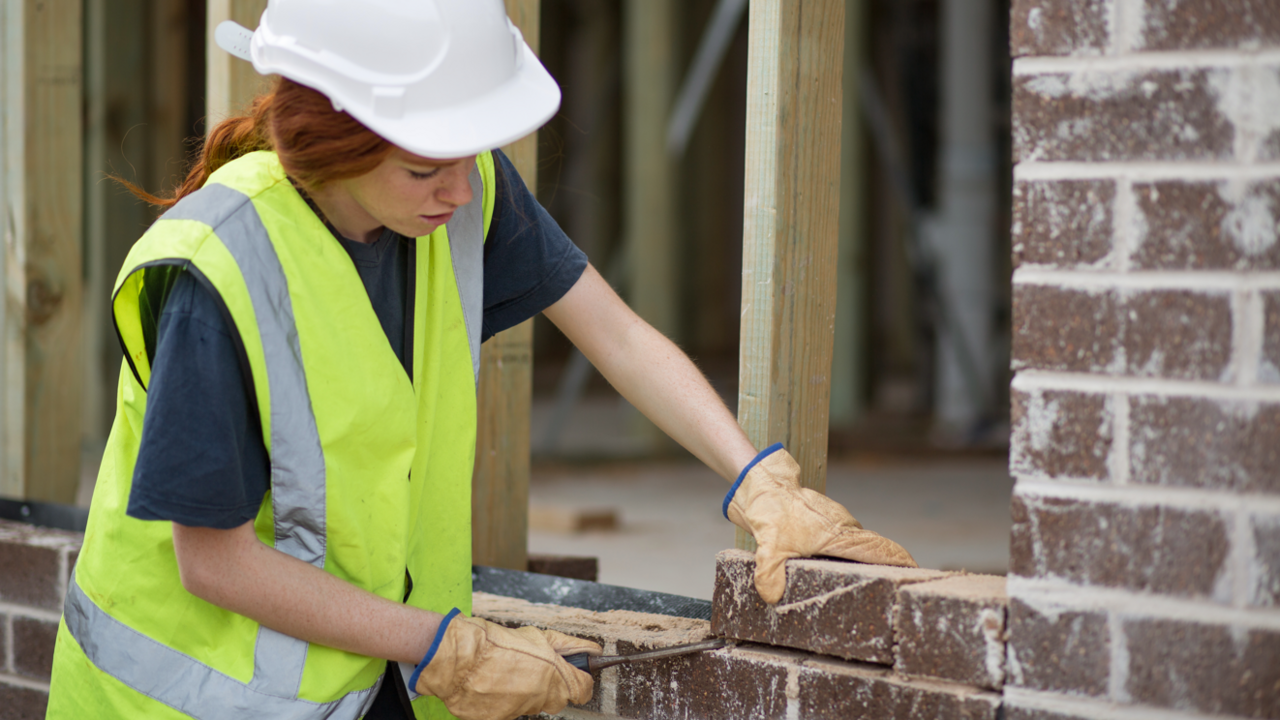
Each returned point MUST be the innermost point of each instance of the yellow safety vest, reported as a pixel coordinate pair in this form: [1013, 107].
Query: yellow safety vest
[370, 473]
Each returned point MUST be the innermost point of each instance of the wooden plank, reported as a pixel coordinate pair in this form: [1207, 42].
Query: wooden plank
[500, 483]
[649, 180]
[849, 354]
[791, 227]
[44, 370]
[231, 83]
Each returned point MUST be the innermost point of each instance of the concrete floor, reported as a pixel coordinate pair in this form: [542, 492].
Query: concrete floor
[950, 514]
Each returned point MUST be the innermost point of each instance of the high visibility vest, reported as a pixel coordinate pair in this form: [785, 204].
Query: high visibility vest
[370, 472]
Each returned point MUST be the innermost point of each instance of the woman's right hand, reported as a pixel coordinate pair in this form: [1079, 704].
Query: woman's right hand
[484, 671]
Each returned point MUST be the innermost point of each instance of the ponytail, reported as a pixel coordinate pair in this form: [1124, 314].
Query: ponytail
[315, 143]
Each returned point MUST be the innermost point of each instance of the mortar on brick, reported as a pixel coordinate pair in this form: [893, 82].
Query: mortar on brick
[1251, 24]
[953, 629]
[1066, 224]
[830, 607]
[1145, 548]
[1058, 27]
[1208, 225]
[1205, 442]
[1269, 364]
[1059, 649]
[1060, 434]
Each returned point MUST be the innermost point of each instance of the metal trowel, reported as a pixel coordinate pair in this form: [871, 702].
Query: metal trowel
[592, 663]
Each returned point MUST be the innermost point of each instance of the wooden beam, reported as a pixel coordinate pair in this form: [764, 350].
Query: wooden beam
[849, 355]
[42, 353]
[791, 227]
[649, 181]
[500, 485]
[231, 83]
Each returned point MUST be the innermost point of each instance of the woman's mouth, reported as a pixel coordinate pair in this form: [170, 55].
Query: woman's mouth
[438, 219]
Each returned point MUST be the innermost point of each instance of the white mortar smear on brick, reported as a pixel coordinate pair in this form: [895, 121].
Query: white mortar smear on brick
[1251, 223]
[991, 626]
[1249, 96]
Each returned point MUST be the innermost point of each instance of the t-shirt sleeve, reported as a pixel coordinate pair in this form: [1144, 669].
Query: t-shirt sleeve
[529, 263]
[201, 460]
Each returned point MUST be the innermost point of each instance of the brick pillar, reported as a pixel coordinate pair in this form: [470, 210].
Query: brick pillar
[1145, 565]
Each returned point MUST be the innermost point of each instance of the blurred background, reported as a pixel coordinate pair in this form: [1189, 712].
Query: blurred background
[919, 414]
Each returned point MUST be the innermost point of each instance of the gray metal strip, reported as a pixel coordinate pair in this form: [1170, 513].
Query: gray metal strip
[297, 459]
[466, 247]
[181, 682]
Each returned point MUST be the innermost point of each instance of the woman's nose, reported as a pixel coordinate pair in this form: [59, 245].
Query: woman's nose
[456, 189]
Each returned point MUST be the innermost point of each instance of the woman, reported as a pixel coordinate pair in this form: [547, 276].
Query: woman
[281, 522]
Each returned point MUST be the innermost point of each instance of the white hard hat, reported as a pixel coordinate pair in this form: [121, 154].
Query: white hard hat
[440, 78]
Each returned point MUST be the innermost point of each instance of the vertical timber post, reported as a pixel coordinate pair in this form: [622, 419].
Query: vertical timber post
[500, 485]
[790, 228]
[849, 355]
[41, 362]
[650, 179]
[230, 83]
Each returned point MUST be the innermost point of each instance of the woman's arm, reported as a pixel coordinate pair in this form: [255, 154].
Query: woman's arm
[233, 569]
[652, 373]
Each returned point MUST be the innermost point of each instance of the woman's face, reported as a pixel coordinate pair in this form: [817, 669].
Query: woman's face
[409, 194]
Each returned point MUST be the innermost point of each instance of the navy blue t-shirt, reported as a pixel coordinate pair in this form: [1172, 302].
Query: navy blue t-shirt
[202, 461]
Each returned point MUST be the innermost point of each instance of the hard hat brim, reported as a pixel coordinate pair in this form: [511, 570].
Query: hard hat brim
[509, 112]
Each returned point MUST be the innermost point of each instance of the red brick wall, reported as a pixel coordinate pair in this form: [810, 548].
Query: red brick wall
[34, 566]
[1145, 566]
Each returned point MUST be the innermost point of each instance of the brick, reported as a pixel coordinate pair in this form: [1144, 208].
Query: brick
[1014, 711]
[1204, 442]
[30, 564]
[830, 607]
[1269, 367]
[1153, 548]
[1210, 669]
[569, 566]
[710, 686]
[20, 703]
[1265, 563]
[33, 642]
[1057, 649]
[832, 689]
[1058, 27]
[1208, 225]
[1248, 24]
[953, 629]
[1065, 329]
[1157, 333]
[1060, 434]
[1178, 334]
[1121, 115]
[1062, 224]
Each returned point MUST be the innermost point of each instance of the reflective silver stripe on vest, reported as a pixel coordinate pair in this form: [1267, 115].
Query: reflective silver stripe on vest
[466, 247]
[298, 502]
[179, 681]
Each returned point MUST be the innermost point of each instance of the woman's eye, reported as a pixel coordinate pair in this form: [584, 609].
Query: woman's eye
[423, 175]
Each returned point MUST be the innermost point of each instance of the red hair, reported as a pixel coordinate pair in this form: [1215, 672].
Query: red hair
[315, 143]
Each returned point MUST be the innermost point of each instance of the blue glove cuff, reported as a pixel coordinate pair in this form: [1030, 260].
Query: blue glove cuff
[754, 461]
[435, 645]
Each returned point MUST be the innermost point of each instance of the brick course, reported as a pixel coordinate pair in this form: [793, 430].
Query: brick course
[1210, 24]
[1152, 114]
[1149, 333]
[1058, 649]
[829, 689]
[1151, 548]
[1061, 434]
[31, 564]
[1058, 27]
[835, 608]
[33, 641]
[953, 629]
[1217, 225]
[1064, 223]
[1203, 442]
[1211, 669]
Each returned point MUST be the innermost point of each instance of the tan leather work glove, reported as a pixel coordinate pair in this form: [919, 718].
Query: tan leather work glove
[789, 521]
[484, 671]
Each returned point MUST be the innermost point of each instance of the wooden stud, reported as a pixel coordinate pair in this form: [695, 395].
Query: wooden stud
[849, 354]
[42, 359]
[791, 227]
[231, 83]
[500, 484]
